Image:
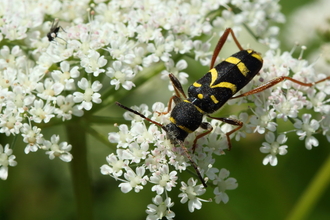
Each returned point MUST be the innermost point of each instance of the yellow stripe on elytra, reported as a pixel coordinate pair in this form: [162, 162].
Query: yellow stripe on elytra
[255, 55]
[197, 84]
[200, 110]
[226, 85]
[240, 65]
[215, 100]
[200, 96]
[180, 126]
[214, 76]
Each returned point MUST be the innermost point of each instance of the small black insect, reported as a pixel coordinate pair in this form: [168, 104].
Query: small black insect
[54, 29]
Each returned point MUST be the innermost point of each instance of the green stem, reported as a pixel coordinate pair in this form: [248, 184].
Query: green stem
[312, 194]
[99, 120]
[79, 171]
[97, 135]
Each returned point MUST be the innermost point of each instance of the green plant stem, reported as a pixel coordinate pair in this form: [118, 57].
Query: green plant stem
[312, 194]
[79, 171]
[99, 136]
[101, 120]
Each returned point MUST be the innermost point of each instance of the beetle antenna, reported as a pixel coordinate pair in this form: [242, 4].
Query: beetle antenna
[139, 114]
[194, 165]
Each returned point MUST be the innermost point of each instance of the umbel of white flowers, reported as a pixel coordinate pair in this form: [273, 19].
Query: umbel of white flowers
[43, 84]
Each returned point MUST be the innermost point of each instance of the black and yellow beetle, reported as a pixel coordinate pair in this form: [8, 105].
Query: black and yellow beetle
[211, 92]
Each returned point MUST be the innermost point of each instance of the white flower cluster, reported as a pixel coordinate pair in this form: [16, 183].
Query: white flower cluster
[157, 161]
[44, 81]
[285, 103]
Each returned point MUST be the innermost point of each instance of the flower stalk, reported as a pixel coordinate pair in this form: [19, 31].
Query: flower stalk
[312, 193]
[80, 173]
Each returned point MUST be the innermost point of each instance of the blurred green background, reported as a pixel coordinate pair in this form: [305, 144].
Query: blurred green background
[38, 188]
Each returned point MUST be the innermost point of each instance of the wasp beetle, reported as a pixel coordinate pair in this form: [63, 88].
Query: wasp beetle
[210, 93]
